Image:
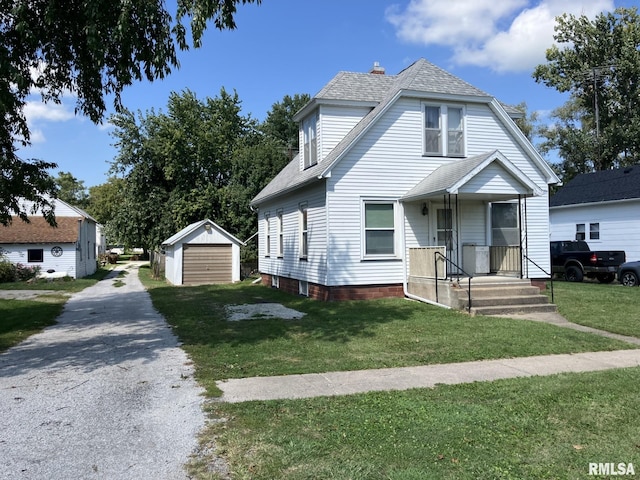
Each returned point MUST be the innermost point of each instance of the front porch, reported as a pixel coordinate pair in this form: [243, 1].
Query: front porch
[501, 290]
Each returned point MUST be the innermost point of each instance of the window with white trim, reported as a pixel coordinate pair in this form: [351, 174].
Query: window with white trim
[280, 236]
[304, 245]
[594, 231]
[443, 122]
[267, 250]
[580, 231]
[310, 142]
[379, 228]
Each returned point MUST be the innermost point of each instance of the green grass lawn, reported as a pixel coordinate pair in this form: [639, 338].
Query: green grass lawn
[537, 428]
[608, 307]
[542, 427]
[343, 335]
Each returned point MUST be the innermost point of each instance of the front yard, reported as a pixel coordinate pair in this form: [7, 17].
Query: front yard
[550, 427]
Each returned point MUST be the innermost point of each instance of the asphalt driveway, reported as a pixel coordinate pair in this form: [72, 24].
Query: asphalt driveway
[104, 394]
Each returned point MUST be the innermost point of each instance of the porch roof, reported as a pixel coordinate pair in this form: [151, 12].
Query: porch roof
[488, 176]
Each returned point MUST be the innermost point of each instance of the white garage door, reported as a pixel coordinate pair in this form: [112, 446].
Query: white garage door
[202, 264]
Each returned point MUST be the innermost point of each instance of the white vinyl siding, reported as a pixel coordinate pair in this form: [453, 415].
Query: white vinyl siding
[388, 161]
[618, 225]
[335, 123]
[314, 269]
[64, 263]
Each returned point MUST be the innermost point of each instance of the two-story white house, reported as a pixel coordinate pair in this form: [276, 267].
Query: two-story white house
[401, 180]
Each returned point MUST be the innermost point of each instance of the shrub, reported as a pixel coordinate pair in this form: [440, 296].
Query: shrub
[25, 272]
[16, 273]
[7, 271]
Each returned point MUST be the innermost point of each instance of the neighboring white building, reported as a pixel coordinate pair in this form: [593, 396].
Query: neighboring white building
[70, 248]
[393, 169]
[602, 208]
[202, 253]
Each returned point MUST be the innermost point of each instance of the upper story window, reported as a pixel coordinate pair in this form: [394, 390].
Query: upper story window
[443, 122]
[310, 150]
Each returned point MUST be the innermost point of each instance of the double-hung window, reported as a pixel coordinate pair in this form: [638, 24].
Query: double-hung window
[379, 229]
[310, 151]
[267, 250]
[304, 245]
[594, 231]
[444, 122]
[280, 236]
[580, 233]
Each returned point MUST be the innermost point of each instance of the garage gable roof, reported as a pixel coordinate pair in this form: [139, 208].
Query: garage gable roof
[186, 231]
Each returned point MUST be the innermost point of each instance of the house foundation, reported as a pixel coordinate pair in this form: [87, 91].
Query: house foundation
[334, 293]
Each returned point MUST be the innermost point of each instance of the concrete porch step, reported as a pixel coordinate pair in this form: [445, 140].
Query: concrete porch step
[486, 291]
[511, 309]
[536, 299]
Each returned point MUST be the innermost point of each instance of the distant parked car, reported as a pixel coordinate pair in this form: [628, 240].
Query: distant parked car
[629, 274]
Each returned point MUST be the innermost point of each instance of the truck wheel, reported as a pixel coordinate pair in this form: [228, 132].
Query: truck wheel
[573, 274]
[629, 279]
[606, 277]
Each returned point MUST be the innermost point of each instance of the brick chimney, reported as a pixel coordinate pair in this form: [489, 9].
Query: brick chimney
[377, 69]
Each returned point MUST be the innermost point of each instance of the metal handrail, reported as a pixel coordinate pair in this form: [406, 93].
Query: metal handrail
[546, 273]
[435, 264]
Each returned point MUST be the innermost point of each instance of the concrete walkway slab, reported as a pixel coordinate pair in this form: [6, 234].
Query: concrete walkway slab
[427, 376]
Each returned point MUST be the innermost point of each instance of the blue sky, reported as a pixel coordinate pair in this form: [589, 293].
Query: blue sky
[296, 46]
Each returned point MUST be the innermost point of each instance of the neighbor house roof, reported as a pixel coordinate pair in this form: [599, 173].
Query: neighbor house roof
[39, 231]
[602, 186]
[172, 240]
[421, 79]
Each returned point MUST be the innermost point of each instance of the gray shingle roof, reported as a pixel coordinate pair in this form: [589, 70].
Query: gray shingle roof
[603, 186]
[446, 176]
[422, 76]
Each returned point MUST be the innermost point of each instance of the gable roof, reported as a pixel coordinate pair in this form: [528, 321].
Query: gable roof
[602, 186]
[421, 79]
[450, 178]
[39, 231]
[186, 231]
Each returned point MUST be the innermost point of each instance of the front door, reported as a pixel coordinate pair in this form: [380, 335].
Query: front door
[443, 224]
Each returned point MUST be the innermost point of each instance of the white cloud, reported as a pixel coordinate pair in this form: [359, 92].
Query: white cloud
[37, 136]
[505, 35]
[52, 112]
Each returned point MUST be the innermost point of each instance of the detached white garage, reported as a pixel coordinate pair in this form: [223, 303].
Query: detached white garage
[202, 253]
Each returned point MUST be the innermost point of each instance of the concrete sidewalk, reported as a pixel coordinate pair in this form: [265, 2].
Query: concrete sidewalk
[345, 383]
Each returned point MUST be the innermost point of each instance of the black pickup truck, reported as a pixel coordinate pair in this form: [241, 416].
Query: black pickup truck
[575, 260]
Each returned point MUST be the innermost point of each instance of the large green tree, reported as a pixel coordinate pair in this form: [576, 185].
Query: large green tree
[91, 48]
[71, 190]
[201, 159]
[175, 164]
[279, 123]
[598, 63]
